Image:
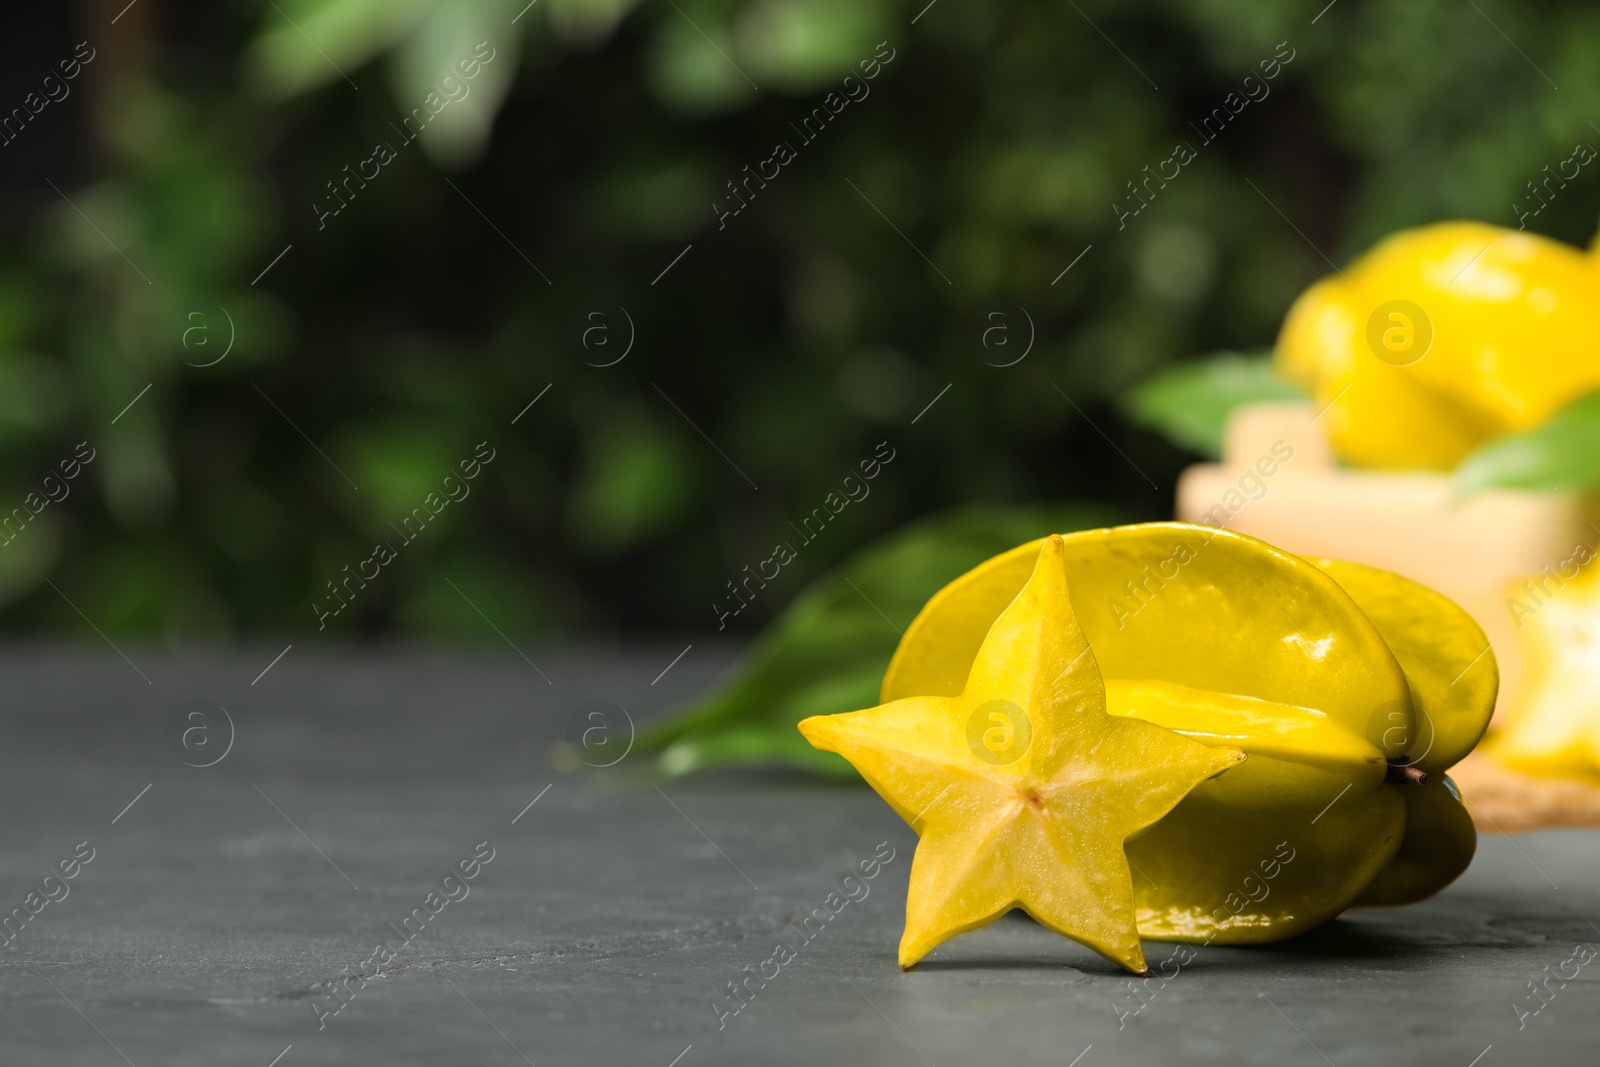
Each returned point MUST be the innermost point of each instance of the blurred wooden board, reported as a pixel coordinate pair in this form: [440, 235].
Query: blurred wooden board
[1505, 801]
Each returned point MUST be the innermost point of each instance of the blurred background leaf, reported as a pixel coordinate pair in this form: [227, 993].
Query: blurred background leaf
[1190, 402]
[828, 650]
[1563, 453]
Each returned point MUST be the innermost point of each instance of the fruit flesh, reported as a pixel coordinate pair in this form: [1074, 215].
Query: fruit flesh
[1554, 728]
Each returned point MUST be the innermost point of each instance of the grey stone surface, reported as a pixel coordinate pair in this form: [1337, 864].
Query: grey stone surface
[218, 912]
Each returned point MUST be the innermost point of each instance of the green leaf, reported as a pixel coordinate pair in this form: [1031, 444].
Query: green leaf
[805, 45]
[305, 44]
[1191, 401]
[690, 72]
[828, 650]
[430, 62]
[1562, 453]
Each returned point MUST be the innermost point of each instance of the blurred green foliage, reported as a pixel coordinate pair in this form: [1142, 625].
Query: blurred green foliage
[827, 652]
[1562, 453]
[1190, 402]
[594, 144]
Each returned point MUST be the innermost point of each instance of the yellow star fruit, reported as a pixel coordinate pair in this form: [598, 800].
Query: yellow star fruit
[1442, 338]
[1343, 685]
[1025, 787]
[1453, 681]
[1554, 727]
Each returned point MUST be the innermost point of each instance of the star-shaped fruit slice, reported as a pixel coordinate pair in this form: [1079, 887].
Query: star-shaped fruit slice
[1554, 726]
[1023, 788]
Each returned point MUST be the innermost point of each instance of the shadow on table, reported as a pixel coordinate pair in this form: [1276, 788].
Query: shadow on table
[1339, 939]
[1345, 939]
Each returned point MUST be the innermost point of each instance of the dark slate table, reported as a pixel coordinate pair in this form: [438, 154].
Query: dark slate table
[228, 912]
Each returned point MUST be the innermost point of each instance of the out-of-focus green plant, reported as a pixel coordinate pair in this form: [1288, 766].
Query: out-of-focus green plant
[306, 44]
[386, 343]
[828, 650]
[1190, 402]
[1563, 453]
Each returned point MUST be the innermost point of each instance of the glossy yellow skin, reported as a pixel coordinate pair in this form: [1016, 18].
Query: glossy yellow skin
[1441, 650]
[1029, 806]
[1240, 616]
[1453, 687]
[1516, 336]
[1439, 843]
[1554, 728]
[1230, 641]
[1241, 859]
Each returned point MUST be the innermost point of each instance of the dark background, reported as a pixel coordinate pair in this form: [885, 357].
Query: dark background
[416, 324]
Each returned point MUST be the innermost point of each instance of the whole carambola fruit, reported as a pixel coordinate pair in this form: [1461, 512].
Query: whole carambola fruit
[1347, 686]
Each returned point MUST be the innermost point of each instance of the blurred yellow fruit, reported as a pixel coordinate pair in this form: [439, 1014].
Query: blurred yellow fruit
[1443, 338]
[1554, 726]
